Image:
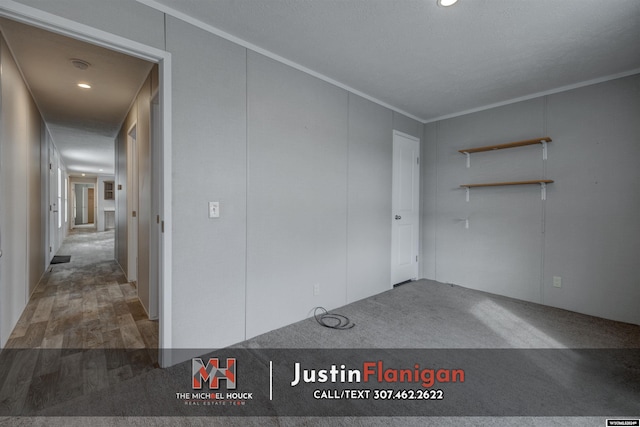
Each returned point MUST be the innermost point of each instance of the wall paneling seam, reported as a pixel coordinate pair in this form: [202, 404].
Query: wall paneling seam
[246, 187]
[543, 207]
[346, 288]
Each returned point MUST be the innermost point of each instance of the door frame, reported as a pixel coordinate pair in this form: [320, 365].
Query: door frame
[52, 194]
[416, 236]
[38, 18]
[132, 203]
[155, 233]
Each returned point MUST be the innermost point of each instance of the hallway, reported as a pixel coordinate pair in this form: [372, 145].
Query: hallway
[79, 307]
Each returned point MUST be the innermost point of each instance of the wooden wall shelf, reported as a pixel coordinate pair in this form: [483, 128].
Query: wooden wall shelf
[507, 145]
[499, 184]
[543, 141]
[542, 182]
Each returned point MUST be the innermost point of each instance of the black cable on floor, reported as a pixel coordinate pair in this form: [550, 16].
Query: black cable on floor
[332, 320]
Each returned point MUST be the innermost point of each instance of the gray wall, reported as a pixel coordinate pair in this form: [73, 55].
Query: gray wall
[138, 115]
[297, 194]
[21, 209]
[584, 232]
[209, 164]
[273, 146]
[281, 151]
[369, 200]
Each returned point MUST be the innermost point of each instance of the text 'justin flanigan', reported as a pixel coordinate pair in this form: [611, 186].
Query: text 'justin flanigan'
[375, 371]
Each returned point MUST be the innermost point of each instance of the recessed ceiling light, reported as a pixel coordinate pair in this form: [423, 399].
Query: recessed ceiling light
[84, 85]
[447, 3]
[83, 174]
[101, 170]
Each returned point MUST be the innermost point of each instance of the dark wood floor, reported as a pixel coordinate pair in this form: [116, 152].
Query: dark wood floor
[82, 330]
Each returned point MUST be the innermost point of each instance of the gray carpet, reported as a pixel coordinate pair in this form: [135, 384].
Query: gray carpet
[421, 314]
[428, 314]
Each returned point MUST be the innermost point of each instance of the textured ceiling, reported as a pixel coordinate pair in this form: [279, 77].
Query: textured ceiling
[83, 123]
[432, 61]
[427, 61]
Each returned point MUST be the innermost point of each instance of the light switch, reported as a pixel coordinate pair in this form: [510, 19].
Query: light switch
[214, 209]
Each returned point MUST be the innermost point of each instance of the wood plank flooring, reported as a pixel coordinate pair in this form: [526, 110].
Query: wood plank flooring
[83, 330]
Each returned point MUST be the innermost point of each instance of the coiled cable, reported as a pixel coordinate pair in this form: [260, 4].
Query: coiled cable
[332, 320]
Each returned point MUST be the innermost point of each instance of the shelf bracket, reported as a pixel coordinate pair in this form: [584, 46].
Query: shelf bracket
[468, 191]
[544, 149]
[468, 159]
[543, 190]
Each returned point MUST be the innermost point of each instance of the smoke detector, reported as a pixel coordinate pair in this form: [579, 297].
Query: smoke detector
[80, 64]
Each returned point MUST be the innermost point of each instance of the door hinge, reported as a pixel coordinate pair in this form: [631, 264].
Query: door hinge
[157, 219]
[162, 226]
[418, 159]
[50, 166]
[50, 208]
[133, 214]
[416, 258]
[49, 248]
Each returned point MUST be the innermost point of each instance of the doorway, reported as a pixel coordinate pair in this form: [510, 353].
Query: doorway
[41, 19]
[55, 233]
[83, 204]
[405, 222]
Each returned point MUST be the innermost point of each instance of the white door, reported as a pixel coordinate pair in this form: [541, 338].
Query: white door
[132, 206]
[405, 220]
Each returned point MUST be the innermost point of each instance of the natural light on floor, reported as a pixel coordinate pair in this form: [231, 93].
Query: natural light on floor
[514, 330]
[558, 367]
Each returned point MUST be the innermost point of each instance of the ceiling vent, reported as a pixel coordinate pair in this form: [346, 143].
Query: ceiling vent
[80, 64]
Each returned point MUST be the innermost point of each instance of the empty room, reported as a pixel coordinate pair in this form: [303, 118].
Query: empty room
[385, 212]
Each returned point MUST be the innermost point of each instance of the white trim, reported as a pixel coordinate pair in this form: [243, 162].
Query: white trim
[35, 17]
[56, 24]
[166, 287]
[537, 95]
[213, 30]
[406, 135]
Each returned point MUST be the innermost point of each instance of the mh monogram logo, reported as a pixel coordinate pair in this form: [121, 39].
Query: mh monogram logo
[212, 372]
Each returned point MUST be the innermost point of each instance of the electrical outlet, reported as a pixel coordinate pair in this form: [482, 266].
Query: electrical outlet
[557, 281]
[316, 289]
